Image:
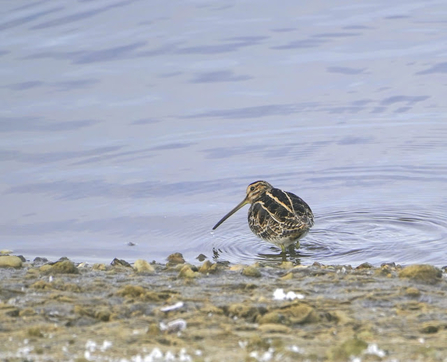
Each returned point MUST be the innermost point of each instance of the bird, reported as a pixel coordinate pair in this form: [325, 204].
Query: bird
[276, 216]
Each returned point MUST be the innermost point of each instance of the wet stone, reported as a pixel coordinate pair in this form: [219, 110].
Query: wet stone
[429, 328]
[60, 267]
[9, 310]
[413, 292]
[175, 258]
[142, 266]
[246, 311]
[421, 273]
[103, 314]
[271, 318]
[120, 263]
[131, 291]
[224, 316]
[201, 257]
[187, 272]
[10, 261]
[208, 267]
[300, 314]
[251, 271]
[99, 266]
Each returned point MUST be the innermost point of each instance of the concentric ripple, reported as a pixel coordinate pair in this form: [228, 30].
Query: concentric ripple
[354, 237]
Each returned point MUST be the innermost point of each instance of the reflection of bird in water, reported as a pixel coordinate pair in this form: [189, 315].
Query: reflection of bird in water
[277, 216]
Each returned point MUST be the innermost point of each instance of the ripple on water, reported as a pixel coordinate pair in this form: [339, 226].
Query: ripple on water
[353, 237]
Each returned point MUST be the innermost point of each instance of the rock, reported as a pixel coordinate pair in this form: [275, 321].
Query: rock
[243, 311]
[99, 266]
[208, 267]
[10, 261]
[60, 267]
[39, 260]
[257, 343]
[41, 284]
[365, 265]
[250, 271]
[187, 272]
[201, 257]
[35, 332]
[271, 318]
[174, 259]
[8, 310]
[27, 312]
[120, 263]
[142, 266]
[429, 328]
[413, 292]
[421, 273]
[131, 291]
[300, 314]
[103, 314]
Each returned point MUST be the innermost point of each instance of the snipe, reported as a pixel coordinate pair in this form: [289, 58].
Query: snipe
[277, 216]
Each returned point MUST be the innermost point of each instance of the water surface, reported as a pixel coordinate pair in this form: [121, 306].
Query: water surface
[129, 129]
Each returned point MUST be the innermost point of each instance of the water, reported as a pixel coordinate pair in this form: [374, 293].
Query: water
[128, 129]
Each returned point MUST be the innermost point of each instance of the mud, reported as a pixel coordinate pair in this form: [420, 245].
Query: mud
[218, 312]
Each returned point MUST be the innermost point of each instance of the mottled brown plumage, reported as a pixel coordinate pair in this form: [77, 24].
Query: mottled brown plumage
[277, 216]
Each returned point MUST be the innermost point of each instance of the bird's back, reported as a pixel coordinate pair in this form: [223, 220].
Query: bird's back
[280, 217]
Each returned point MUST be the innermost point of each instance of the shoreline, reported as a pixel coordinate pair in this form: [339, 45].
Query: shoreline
[221, 312]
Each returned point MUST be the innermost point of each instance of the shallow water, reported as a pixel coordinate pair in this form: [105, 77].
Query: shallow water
[129, 129]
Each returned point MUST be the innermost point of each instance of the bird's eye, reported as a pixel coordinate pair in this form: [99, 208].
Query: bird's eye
[252, 188]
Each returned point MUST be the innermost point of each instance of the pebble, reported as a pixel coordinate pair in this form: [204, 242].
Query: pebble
[413, 292]
[271, 318]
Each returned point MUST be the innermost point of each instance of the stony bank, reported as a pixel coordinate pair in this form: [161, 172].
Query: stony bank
[62, 311]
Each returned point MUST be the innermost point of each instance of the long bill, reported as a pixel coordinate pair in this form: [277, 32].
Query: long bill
[242, 204]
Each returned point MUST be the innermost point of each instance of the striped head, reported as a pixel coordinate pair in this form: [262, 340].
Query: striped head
[256, 189]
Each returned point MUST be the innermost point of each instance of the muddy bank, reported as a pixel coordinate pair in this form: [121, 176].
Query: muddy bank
[218, 312]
